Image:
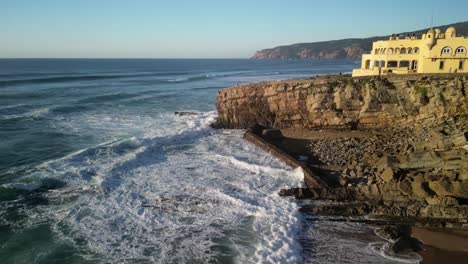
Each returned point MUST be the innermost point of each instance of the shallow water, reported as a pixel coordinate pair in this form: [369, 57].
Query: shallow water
[96, 168]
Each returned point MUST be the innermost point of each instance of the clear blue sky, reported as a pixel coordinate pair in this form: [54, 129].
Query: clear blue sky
[202, 28]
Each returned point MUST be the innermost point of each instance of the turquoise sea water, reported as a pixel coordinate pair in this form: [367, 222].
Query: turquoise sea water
[96, 168]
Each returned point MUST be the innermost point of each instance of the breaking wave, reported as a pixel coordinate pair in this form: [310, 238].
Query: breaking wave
[190, 195]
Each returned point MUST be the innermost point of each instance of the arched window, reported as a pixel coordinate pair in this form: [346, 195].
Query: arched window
[460, 50]
[390, 51]
[410, 51]
[367, 64]
[416, 50]
[397, 51]
[403, 51]
[383, 51]
[376, 51]
[446, 50]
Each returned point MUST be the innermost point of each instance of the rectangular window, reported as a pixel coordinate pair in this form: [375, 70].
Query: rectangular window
[460, 65]
[392, 64]
[404, 64]
[441, 65]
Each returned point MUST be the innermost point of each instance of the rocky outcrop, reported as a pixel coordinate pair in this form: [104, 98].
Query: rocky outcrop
[354, 51]
[384, 147]
[342, 102]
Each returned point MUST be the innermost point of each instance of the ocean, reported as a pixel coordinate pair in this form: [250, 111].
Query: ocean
[95, 167]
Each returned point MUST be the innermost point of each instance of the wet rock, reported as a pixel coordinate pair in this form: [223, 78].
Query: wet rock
[405, 245]
[393, 233]
[272, 134]
[186, 113]
[298, 193]
[337, 209]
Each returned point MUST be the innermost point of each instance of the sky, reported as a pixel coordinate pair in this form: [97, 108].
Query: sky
[202, 28]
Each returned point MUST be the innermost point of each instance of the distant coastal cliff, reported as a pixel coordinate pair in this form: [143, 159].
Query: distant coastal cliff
[336, 49]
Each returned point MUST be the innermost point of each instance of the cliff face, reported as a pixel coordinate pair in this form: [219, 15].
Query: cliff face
[329, 50]
[397, 144]
[342, 102]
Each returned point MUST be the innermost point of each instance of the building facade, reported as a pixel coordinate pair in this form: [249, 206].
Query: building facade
[434, 52]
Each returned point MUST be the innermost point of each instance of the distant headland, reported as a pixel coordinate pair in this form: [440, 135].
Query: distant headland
[351, 48]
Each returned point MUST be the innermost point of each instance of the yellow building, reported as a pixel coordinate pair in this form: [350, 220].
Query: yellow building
[434, 52]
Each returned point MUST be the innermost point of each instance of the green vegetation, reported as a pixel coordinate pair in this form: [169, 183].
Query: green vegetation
[422, 91]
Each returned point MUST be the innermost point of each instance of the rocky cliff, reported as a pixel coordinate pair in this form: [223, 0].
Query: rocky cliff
[351, 48]
[397, 144]
[338, 49]
[342, 101]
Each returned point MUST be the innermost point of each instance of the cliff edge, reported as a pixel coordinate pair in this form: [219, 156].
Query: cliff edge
[343, 102]
[392, 146]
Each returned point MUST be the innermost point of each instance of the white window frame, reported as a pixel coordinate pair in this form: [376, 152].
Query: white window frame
[460, 50]
[447, 50]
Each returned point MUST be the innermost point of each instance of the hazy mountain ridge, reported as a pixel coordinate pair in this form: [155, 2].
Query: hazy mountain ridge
[338, 49]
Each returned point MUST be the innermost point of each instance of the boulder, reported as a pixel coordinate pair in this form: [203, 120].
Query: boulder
[272, 134]
[393, 233]
[186, 113]
[419, 189]
[385, 162]
[463, 174]
[405, 187]
[442, 200]
[298, 193]
[447, 188]
[405, 245]
[387, 175]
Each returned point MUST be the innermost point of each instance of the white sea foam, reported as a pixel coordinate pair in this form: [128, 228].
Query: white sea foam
[22, 186]
[180, 195]
[34, 113]
[329, 242]
[10, 106]
[383, 249]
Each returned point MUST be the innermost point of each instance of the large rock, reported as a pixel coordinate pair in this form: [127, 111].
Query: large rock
[385, 162]
[405, 187]
[442, 200]
[463, 174]
[420, 189]
[446, 188]
[405, 245]
[387, 175]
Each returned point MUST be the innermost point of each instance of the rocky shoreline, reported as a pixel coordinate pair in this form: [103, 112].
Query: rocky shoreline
[382, 150]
